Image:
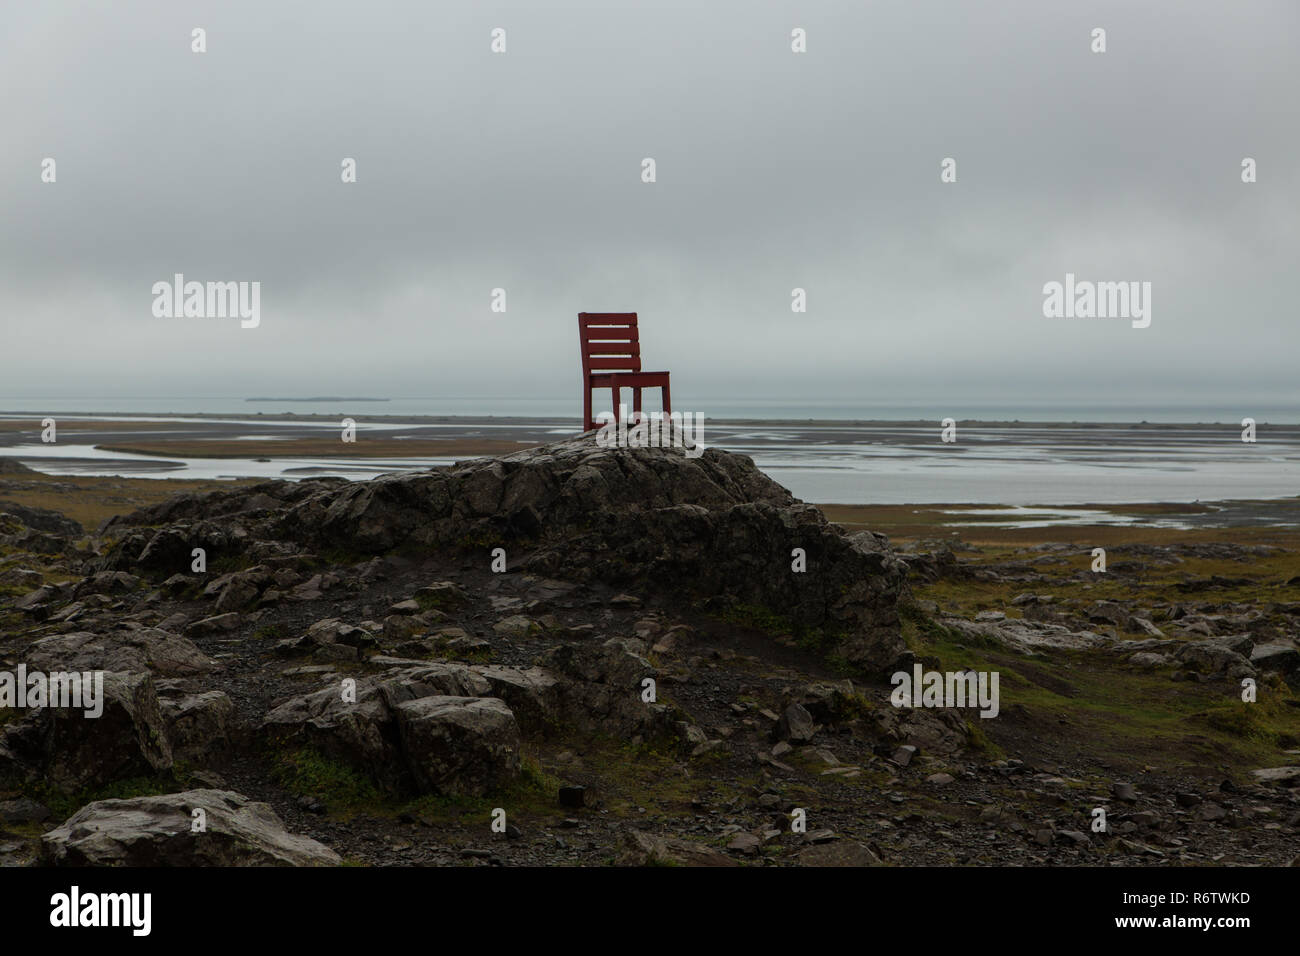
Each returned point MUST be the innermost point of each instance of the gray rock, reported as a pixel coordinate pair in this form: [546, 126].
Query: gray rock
[199, 726]
[159, 831]
[840, 853]
[649, 849]
[148, 649]
[460, 745]
[745, 843]
[443, 595]
[71, 752]
[515, 627]
[21, 577]
[904, 754]
[601, 686]
[1145, 625]
[1278, 659]
[107, 582]
[1025, 636]
[1150, 661]
[796, 725]
[334, 631]
[531, 693]
[1109, 612]
[218, 624]
[1220, 657]
[1210, 812]
[1281, 776]
[23, 810]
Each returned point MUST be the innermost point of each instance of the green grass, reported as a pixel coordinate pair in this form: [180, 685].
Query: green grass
[346, 791]
[307, 771]
[534, 793]
[1109, 709]
[64, 805]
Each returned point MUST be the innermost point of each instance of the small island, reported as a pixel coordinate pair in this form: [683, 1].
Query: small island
[320, 398]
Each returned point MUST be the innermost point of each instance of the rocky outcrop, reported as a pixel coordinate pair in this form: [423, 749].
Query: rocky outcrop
[647, 519]
[163, 831]
[37, 529]
[38, 519]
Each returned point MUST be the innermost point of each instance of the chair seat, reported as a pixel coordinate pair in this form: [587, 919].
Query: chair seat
[599, 379]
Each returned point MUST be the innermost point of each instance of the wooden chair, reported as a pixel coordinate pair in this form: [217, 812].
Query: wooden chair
[611, 358]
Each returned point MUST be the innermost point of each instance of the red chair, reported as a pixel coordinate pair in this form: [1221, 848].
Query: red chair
[611, 358]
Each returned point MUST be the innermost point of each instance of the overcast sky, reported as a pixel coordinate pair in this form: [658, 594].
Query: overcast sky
[775, 170]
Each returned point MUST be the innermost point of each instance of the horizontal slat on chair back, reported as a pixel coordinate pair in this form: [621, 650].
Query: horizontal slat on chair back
[609, 334]
[607, 318]
[599, 334]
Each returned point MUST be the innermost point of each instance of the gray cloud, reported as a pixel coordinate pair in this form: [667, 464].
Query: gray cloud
[775, 170]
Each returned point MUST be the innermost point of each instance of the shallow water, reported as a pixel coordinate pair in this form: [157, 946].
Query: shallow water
[876, 463]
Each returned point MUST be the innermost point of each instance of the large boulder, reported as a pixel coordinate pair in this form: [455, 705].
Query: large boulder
[532, 693]
[462, 745]
[1281, 659]
[199, 726]
[161, 831]
[146, 649]
[70, 751]
[1218, 656]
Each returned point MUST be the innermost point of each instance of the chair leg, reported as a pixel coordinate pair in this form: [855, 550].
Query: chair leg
[616, 395]
[587, 423]
[636, 404]
[668, 402]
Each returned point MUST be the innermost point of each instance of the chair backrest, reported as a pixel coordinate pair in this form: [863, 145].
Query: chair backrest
[609, 342]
